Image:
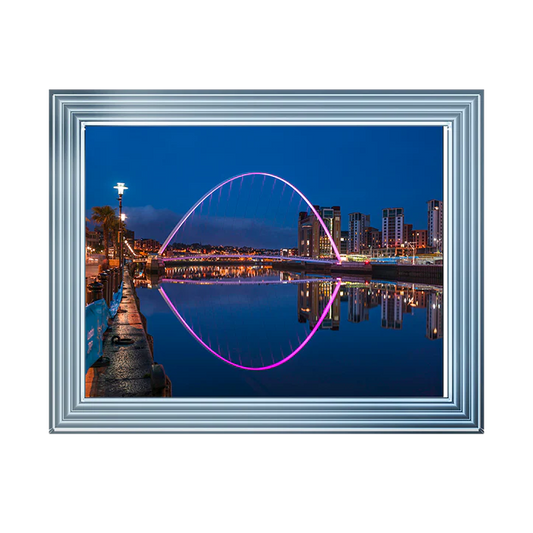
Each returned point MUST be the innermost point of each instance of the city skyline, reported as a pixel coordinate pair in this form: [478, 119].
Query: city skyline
[397, 166]
[361, 235]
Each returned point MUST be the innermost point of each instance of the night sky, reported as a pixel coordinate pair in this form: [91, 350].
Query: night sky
[168, 168]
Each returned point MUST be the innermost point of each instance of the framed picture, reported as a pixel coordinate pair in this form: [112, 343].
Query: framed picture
[266, 261]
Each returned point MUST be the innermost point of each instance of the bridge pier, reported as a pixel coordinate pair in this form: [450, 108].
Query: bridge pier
[155, 265]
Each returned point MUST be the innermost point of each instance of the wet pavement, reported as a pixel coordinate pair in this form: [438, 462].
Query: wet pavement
[128, 373]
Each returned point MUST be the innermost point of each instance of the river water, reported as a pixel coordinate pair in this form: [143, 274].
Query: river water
[232, 331]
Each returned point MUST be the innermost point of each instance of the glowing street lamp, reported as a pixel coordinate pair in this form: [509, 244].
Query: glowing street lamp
[121, 187]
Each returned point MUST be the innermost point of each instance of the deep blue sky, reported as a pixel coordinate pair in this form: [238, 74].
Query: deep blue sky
[167, 169]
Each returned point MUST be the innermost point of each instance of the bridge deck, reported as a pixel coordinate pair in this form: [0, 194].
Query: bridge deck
[243, 256]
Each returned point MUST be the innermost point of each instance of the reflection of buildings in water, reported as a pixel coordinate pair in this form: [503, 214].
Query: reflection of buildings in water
[313, 297]
[435, 316]
[146, 280]
[396, 300]
[391, 309]
[288, 276]
[194, 272]
[360, 301]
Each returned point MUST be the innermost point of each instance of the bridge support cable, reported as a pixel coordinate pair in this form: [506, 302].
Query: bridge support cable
[242, 176]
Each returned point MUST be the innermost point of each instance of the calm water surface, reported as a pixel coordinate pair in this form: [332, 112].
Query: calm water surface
[259, 332]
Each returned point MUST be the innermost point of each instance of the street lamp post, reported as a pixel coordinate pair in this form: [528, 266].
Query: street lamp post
[120, 188]
[412, 245]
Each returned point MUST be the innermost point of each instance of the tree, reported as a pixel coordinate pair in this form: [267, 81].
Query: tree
[105, 216]
[114, 229]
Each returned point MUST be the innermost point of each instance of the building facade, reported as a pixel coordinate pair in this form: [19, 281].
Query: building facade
[357, 232]
[392, 227]
[344, 242]
[307, 235]
[312, 239]
[435, 224]
[373, 238]
[147, 245]
[419, 237]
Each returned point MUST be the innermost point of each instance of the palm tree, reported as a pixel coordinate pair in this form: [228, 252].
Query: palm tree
[114, 228]
[105, 216]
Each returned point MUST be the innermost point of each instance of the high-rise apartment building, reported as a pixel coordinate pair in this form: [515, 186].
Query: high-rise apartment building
[392, 227]
[312, 239]
[357, 232]
[435, 224]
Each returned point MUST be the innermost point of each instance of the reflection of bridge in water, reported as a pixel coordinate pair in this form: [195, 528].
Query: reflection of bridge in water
[336, 285]
[318, 304]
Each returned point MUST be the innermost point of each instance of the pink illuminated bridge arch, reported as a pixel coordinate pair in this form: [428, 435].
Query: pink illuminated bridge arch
[214, 189]
[267, 367]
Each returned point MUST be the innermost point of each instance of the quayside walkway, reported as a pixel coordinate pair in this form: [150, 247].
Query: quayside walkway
[130, 372]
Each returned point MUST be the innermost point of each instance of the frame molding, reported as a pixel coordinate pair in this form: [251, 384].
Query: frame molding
[459, 112]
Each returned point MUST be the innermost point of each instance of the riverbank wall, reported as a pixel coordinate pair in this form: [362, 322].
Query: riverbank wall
[431, 274]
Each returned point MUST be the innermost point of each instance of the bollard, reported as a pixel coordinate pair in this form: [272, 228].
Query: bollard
[117, 279]
[109, 273]
[102, 277]
[157, 379]
[95, 292]
[112, 283]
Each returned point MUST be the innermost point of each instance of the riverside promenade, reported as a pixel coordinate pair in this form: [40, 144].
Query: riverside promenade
[131, 371]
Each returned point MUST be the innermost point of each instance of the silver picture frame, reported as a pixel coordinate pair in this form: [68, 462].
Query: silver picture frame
[460, 112]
